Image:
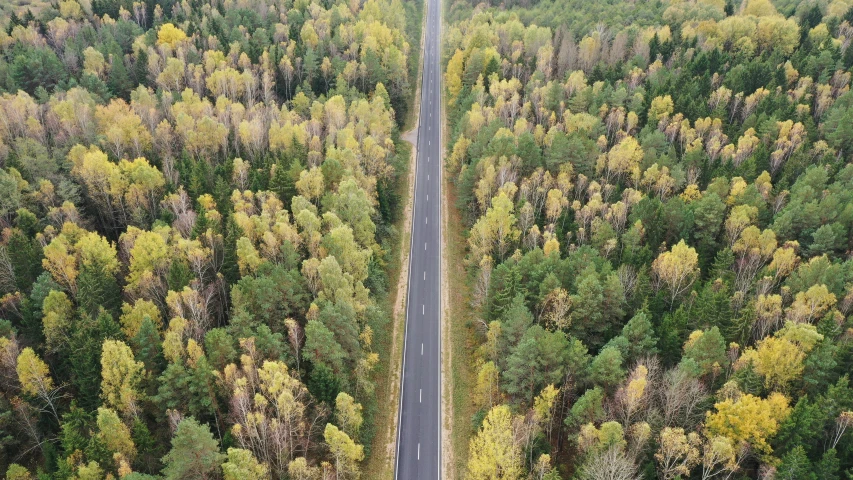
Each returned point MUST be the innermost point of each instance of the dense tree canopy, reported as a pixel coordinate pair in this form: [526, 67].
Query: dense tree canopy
[196, 216]
[657, 201]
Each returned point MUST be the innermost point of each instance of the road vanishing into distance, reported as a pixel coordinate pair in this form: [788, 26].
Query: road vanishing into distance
[419, 421]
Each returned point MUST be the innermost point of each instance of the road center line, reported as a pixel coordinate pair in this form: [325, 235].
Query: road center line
[404, 468]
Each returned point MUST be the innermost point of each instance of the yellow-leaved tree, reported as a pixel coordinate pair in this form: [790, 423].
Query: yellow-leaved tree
[58, 311]
[749, 419]
[310, 184]
[170, 35]
[345, 451]
[622, 160]
[811, 305]
[35, 378]
[115, 435]
[678, 453]
[677, 269]
[661, 106]
[242, 465]
[121, 376]
[348, 414]
[453, 76]
[494, 453]
[496, 230]
[780, 358]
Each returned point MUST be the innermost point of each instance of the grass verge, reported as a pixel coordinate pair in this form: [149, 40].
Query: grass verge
[460, 336]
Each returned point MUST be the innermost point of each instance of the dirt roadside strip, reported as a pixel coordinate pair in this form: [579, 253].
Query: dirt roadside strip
[448, 453]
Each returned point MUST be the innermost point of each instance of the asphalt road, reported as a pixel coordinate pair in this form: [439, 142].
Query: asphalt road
[419, 421]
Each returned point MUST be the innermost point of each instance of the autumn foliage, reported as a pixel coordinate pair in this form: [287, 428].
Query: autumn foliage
[197, 207]
[658, 213]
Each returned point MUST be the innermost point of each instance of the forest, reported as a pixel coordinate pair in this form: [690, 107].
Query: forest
[657, 199]
[198, 203]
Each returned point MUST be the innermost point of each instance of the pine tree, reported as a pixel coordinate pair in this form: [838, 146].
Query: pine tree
[97, 289]
[828, 468]
[140, 68]
[149, 447]
[119, 81]
[506, 286]
[795, 466]
[194, 454]
[148, 347]
[323, 384]
[283, 182]
[637, 338]
[85, 355]
[606, 369]
[230, 269]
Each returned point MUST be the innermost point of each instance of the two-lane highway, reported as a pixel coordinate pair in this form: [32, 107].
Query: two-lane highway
[419, 416]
